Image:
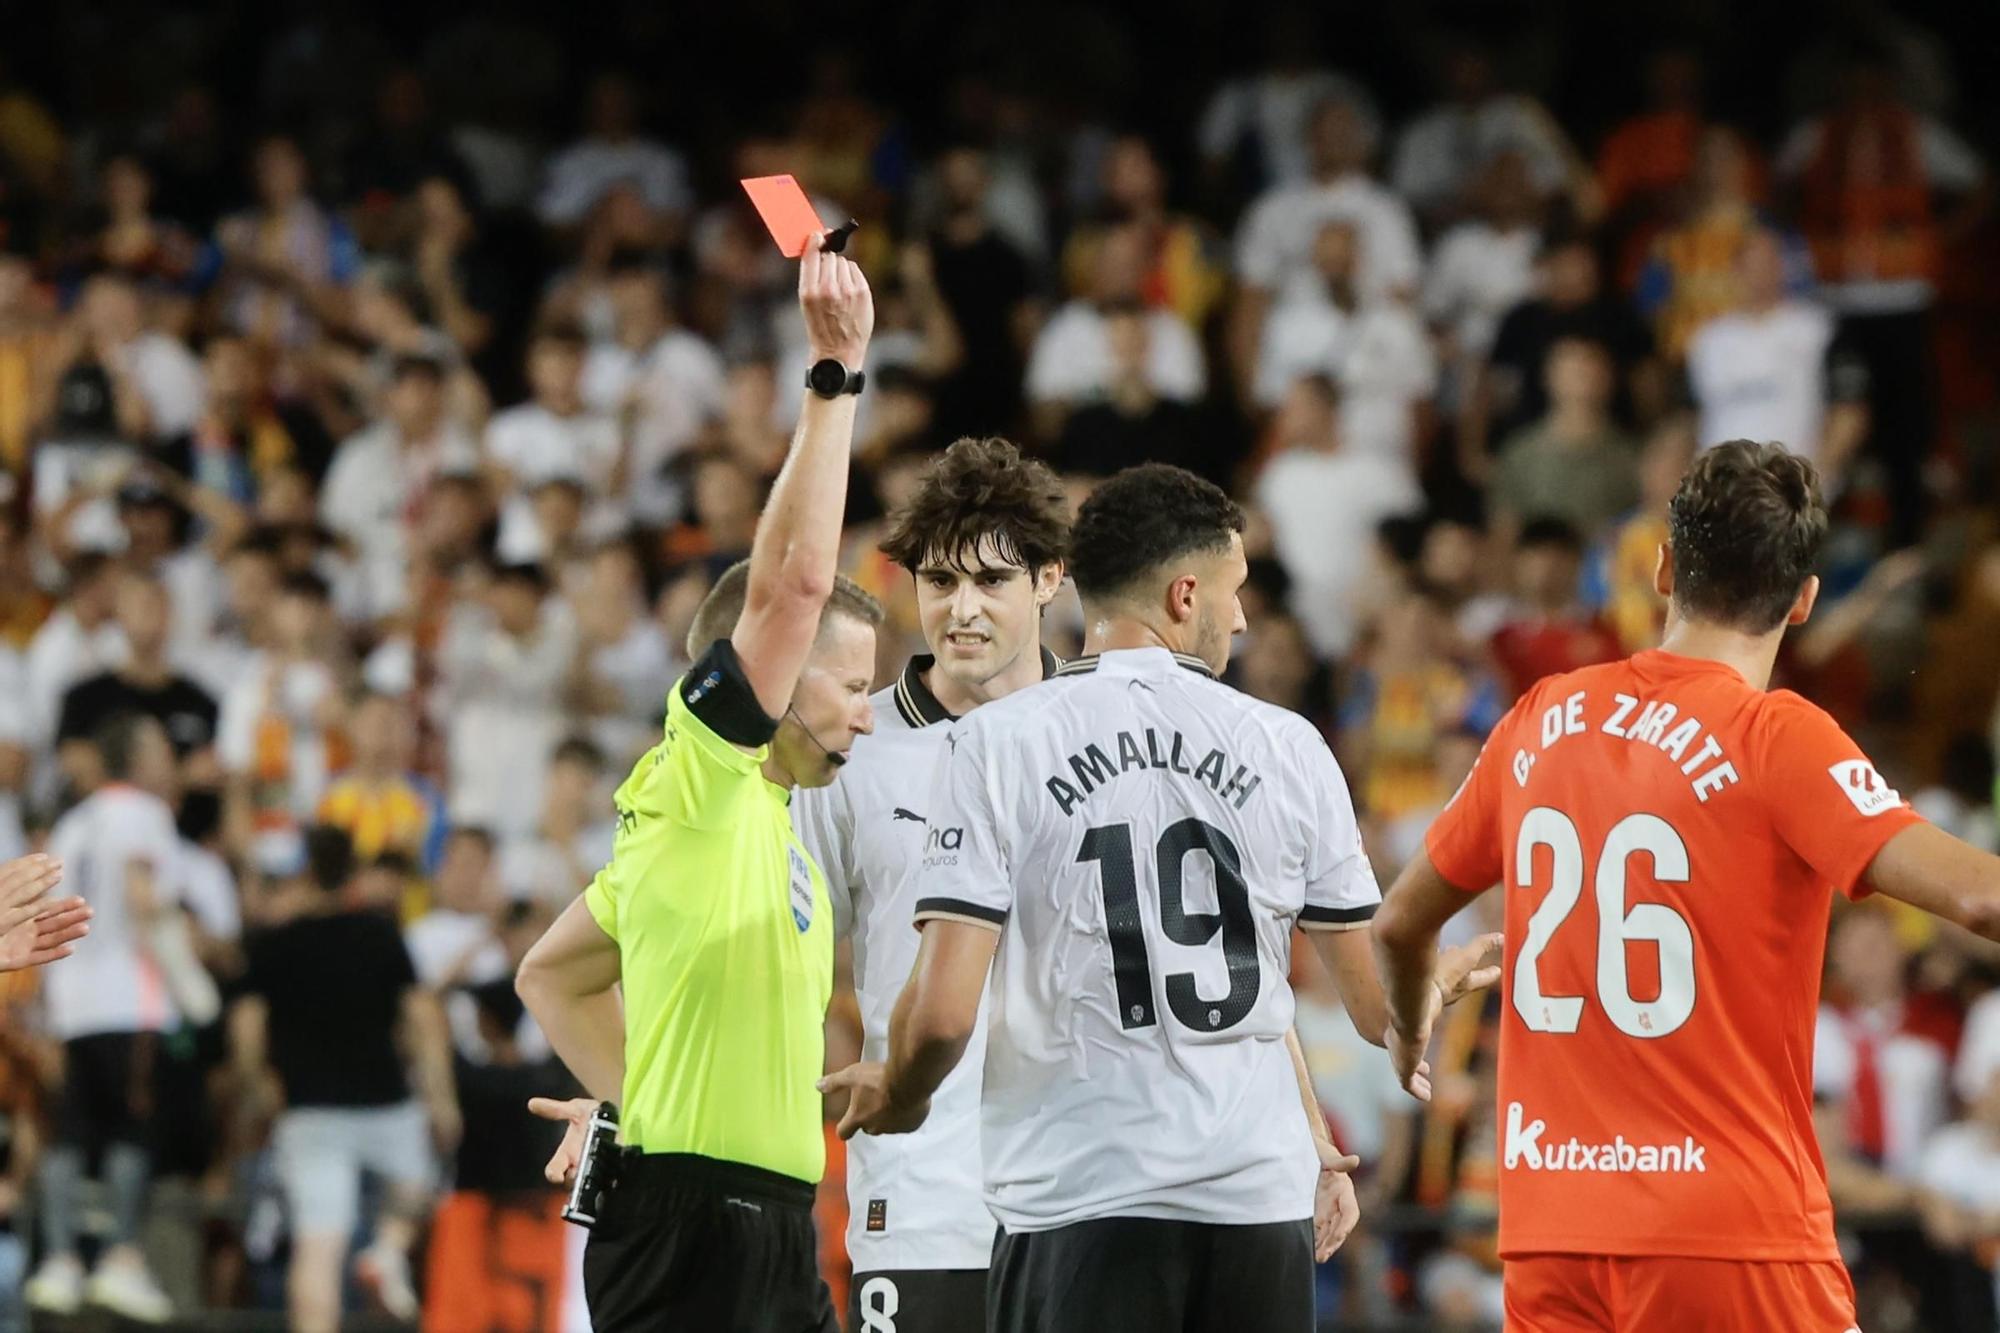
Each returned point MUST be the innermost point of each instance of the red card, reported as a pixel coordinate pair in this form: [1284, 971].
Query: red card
[786, 211]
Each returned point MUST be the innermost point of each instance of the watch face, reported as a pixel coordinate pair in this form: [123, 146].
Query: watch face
[827, 377]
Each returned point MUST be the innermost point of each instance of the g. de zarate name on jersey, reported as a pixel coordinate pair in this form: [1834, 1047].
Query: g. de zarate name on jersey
[1653, 722]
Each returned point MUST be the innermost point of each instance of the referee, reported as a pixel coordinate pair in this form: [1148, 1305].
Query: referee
[714, 923]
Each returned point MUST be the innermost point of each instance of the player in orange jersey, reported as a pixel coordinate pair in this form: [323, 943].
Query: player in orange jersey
[1667, 830]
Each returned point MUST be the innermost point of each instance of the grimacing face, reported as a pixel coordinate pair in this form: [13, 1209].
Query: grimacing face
[978, 620]
[830, 703]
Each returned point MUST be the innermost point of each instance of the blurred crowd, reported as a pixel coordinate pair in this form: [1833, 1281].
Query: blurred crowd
[360, 472]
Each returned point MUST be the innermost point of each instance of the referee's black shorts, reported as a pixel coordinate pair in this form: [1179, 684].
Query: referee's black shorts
[691, 1243]
[1144, 1274]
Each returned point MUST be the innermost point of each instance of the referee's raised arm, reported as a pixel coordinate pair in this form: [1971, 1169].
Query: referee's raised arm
[690, 980]
[797, 547]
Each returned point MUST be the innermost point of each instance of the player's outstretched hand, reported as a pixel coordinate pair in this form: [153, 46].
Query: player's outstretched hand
[869, 1110]
[1335, 1210]
[1469, 967]
[839, 309]
[577, 1112]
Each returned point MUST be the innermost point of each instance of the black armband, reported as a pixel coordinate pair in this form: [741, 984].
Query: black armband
[716, 691]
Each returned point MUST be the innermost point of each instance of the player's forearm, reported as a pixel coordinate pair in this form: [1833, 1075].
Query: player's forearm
[586, 1031]
[1407, 960]
[430, 1046]
[797, 546]
[1308, 1096]
[925, 1045]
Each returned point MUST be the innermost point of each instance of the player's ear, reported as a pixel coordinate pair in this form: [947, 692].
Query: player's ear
[1048, 581]
[1802, 607]
[1663, 571]
[1181, 598]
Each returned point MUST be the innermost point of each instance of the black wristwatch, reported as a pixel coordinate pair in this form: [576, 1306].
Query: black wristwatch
[830, 379]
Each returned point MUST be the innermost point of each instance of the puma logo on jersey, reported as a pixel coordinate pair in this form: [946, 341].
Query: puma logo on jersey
[911, 815]
[1865, 787]
[1524, 1147]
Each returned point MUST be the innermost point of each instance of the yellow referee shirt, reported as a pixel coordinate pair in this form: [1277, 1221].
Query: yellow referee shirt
[725, 941]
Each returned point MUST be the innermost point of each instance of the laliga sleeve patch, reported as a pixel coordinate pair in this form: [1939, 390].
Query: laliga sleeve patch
[1861, 784]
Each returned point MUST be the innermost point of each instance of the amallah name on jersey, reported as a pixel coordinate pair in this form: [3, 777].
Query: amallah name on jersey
[1092, 768]
[1524, 1146]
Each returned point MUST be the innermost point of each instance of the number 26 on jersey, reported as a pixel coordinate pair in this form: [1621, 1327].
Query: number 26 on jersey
[1654, 923]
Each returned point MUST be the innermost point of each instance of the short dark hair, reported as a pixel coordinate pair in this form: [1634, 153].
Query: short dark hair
[305, 583]
[580, 750]
[1140, 519]
[1744, 532]
[1550, 531]
[329, 857]
[979, 489]
[117, 742]
[715, 619]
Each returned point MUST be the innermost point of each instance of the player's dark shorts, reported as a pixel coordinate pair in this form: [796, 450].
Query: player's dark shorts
[108, 1092]
[686, 1242]
[939, 1300]
[1142, 1274]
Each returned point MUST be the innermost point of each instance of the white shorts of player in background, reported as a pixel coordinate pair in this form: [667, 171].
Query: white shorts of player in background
[321, 1152]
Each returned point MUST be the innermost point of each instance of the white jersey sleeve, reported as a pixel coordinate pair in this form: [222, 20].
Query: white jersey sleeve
[965, 876]
[1341, 890]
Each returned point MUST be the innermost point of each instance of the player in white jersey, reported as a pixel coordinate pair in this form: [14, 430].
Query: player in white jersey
[108, 1005]
[1126, 849]
[983, 536]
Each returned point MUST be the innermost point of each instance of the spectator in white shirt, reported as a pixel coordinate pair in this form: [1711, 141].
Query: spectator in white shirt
[555, 434]
[1324, 500]
[457, 942]
[80, 639]
[376, 485]
[661, 382]
[625, 661]
[573, 841]
[1274, 244]
[612, 152]
[1485, 266]
[1072, 362]
[161, 368]
[1375, 350]
[1261, 120]
[277, 722]
[504, 669]
[1770, 370]
[1439, 154]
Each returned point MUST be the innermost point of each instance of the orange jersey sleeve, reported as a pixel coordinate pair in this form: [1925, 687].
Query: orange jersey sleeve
[1823, 797]
[1464, 840]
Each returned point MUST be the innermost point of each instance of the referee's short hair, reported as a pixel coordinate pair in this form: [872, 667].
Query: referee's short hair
[716, 618]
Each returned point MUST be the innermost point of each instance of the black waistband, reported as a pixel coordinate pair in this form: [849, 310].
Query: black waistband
[663, 1170]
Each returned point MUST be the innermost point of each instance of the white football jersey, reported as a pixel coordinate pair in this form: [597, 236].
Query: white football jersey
[1144, 838]
[111, 983]
[914, 1200]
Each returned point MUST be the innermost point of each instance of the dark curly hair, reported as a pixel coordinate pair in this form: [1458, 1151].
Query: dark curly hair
[976, 489]
[1745, 531]
[1140, 519]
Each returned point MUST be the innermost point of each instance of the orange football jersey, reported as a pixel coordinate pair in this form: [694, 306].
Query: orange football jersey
[1666, 836]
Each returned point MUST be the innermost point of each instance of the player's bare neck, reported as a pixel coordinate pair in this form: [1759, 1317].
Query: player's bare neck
[1107, 632]
[1752, 656]
[959, 698]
